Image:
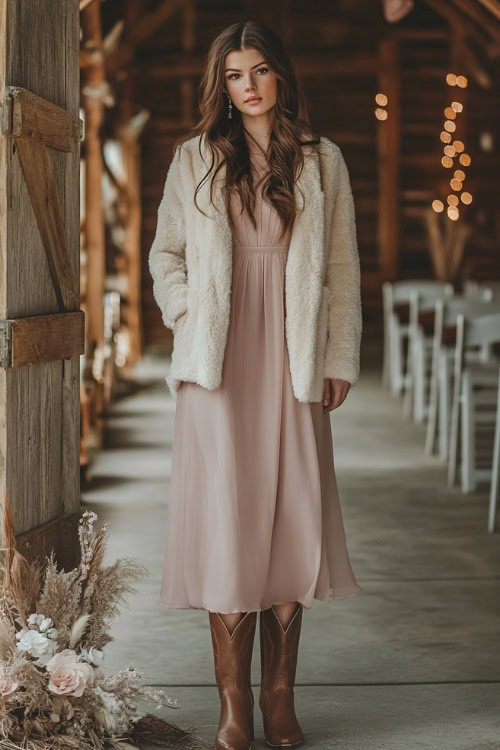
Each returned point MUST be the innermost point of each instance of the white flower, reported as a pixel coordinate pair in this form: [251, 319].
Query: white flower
[35, 619]
[93, 655]
[45, 624]
[33, 642]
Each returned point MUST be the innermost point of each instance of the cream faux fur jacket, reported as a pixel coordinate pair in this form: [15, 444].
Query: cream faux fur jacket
[191, 264]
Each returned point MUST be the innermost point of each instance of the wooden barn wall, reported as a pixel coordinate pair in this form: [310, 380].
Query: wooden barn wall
[39, 407]
[337, 57]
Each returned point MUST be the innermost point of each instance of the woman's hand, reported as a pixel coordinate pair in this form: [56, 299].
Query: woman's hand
[334, 393]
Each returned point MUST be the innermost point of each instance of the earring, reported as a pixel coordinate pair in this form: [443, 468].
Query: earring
[230, 115]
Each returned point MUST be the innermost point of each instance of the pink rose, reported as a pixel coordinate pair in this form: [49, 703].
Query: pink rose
[7, 686]
[68, 676]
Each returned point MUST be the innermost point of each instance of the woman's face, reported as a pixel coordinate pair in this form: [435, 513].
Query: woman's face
[247, 74]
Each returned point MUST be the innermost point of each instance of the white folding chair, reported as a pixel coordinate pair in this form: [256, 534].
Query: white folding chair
[420, 341]
[446, 312]
[396, 295]
[486, 290]
[474, 398]
[495, 471]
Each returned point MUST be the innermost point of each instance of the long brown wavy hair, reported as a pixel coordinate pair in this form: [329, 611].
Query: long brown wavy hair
[225, 138]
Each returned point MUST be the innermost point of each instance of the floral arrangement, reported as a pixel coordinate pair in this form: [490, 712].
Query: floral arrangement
[54, 691]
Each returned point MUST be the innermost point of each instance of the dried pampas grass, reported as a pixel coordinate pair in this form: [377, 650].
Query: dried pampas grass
[53, 626]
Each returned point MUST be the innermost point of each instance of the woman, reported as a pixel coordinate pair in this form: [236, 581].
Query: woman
[256, 270]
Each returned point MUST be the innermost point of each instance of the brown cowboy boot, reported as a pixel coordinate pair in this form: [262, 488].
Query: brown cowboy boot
[278, 651]
[233, 661]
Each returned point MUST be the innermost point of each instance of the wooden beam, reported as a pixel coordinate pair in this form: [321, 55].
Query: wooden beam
[454, 16]
[146, 26]
[60, 535]
[389, 136]
[482, 19]
[41, 338]
[94, 234]
[42, 189]
[27, 115]
[493, 6]
[326, 65]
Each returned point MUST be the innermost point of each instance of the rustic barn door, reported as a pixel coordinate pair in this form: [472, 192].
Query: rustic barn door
[41, 326]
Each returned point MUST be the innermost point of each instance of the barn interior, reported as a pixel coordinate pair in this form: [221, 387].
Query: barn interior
[409, 91]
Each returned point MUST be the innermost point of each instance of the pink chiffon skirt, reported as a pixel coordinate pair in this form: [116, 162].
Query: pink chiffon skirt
[254, 517]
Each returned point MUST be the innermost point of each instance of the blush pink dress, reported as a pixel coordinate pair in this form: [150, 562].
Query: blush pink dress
[254, 517]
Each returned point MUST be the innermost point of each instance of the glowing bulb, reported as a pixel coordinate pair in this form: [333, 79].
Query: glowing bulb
[452, 200]
[458, 146]
[445, 137]
[381, 99]
[449, 151]
[462, 81]
[457, 107]
[451, 79]
[446, 161]
[437, 206]
[456, 184]
[459, 175]
[465, 160]
[466, 198]
[381, 114]
[450, 113]
[450, 126]
[453, 213]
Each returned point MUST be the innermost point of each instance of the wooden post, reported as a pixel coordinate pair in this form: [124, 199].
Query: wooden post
[388, 142]
[93, 80]
[39, 272]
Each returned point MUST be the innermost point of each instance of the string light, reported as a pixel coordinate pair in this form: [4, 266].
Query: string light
[380, 113]
[451, 151]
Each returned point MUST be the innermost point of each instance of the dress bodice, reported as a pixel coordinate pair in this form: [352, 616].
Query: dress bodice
[267, 232]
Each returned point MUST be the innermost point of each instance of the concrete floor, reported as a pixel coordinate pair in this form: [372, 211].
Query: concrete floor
[412, 662]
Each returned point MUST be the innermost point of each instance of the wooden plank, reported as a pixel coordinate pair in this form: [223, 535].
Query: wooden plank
[60, 535]
[493, 6]
[38, 409]
[146, 26]
[42, 338]
[42, 190]
[35, 117]
[70, 205]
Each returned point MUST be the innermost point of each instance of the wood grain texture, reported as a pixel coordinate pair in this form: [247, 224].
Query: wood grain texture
[39, 403]
[42, 338]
